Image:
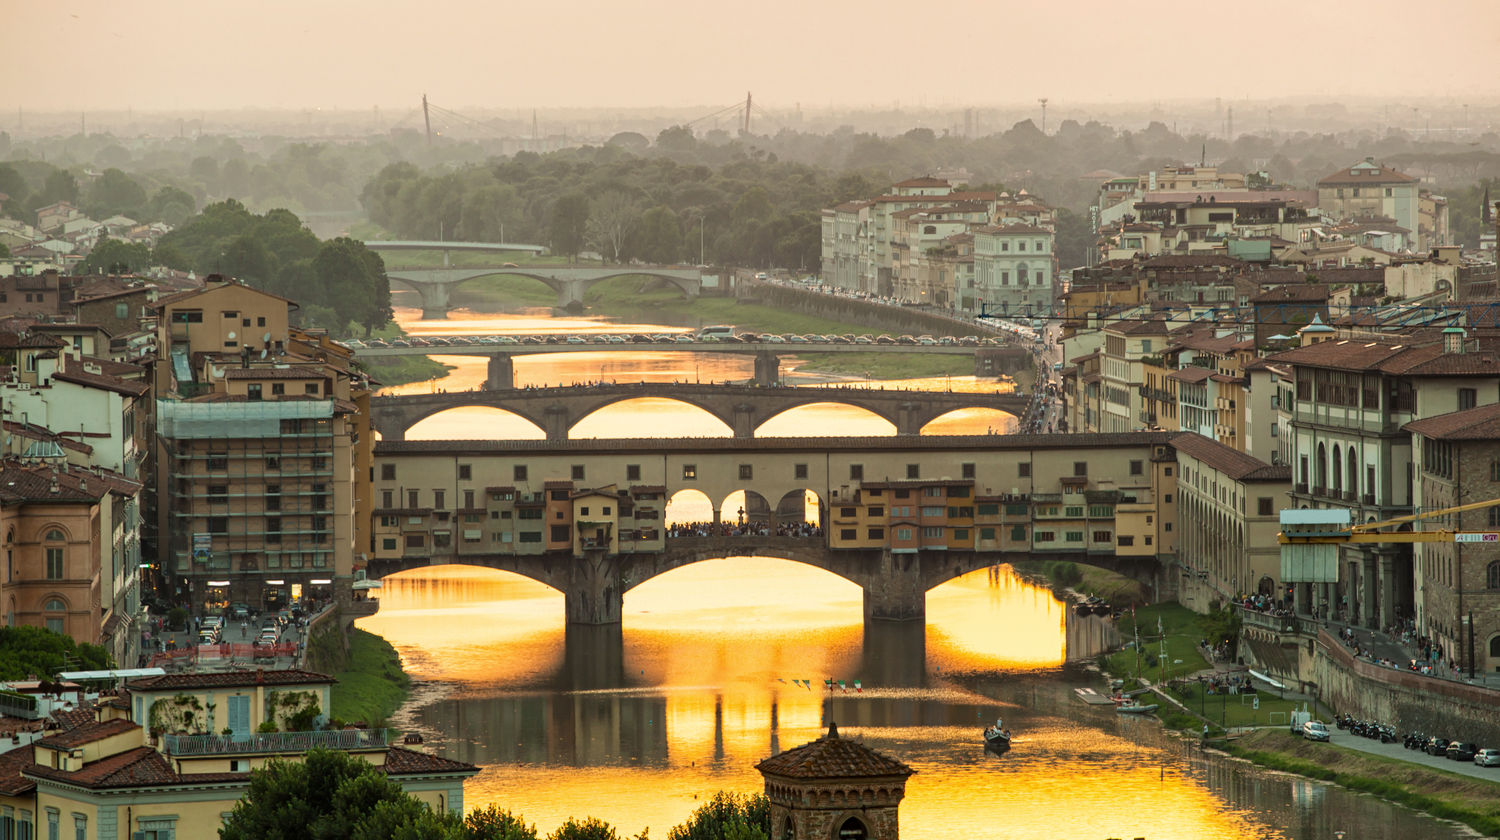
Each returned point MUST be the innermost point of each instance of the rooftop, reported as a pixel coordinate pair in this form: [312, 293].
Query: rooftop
[832, 757]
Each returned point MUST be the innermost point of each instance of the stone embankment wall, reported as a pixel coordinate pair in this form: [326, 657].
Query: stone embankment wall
[1010, 359]
[1404, 699]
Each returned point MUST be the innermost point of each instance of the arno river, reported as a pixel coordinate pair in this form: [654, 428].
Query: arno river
[639, 723]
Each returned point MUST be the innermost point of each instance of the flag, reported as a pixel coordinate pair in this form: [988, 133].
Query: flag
[843, 687]
[828, 683]
[858, 687]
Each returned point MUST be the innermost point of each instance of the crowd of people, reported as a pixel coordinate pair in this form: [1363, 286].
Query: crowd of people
[1266, 604]
[753, 528]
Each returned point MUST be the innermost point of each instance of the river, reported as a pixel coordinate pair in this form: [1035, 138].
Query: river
[720, 664]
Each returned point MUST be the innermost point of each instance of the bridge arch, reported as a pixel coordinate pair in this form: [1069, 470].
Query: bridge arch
[976, 420]
[441, 425]
[687, 288]
[793, 420]
[599, 415]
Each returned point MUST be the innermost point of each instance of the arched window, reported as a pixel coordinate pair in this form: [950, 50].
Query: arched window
[53, 619]
[1338, 472]
[1495, 646]
[852, 829]
[1021, 271]
[1352, 465]
[53, 543]
[788, 829]
[1321, 479]
[1492, 575]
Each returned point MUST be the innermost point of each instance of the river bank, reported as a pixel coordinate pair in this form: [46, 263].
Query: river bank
[371, 686]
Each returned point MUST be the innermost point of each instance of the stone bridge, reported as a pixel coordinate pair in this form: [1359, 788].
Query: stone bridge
[895, 585]
[568, 281]
[742, 408]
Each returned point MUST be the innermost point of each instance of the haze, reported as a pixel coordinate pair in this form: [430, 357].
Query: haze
[177, 54]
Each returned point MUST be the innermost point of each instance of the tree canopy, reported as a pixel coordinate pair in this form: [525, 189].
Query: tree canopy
[27, 651]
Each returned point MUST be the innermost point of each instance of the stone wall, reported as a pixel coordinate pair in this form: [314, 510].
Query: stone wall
[1403, 699]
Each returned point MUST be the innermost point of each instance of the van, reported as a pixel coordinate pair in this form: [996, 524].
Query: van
[716, 332]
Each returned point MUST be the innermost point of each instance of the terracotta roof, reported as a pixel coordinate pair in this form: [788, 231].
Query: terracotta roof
[163, 302]
[1482, 423]
[1368, 175]
[139, 767]
[1190, 261]
[1228, 460]
[274, 373]
[34, 484]
[403, 762]
[12, 762]
[1151, 326]
[73, 718]
[12, 341]
[126, 387]
[1350, 354]
[1192, 373]
[1294, 292]
[832, 757]
[229, 679]
[87, 733]
[32, 431]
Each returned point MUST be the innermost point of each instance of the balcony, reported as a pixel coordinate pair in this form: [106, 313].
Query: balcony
[1368, 498]
[276, 742]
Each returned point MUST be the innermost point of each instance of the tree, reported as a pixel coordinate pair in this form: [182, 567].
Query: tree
[330, 795]
[170, 205]
[31, 652]
[660, 237]
[613, 216]
[14, 186]
[113, 256]
[726, 815]
[115, 192]
[351, 279]
[570, 216]
[492, 823]
[586, 829]
[59, 186]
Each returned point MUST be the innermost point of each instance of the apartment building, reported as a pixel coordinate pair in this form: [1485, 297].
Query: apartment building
[1013, 269]
[1372, 190]
[263, 468]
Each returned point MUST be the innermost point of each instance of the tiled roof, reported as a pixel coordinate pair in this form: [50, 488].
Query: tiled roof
[1368, 175]
[274, 373]
[922, 182]
[832, 757]
[78, 376]
[1192, 373]
[34, 484]
[228, 679]
[1228, 460]
[73, 718]
[400, 761]
[1152, 326]
[140, 767]
[1190, 261]
[1388, 355]
[1482, 423]
[1298, 292]
[87, 733]
[12, 762]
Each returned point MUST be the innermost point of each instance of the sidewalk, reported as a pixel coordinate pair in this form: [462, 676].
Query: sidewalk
[1381, 646]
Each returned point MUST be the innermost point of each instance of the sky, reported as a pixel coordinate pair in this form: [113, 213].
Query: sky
[337, 54]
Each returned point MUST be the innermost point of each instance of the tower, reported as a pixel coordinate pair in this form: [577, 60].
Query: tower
[834, 787]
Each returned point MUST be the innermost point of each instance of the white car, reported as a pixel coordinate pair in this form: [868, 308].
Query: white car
[1315, 730]
[1487, 758]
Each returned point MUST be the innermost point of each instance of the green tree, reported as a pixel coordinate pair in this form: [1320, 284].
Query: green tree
[493, 823]
[13, 185]
[115, 192]
[586, 829]
[113, 256]
[170, 205]
[59, 186]
[570, 217]
[726, 814]
[660, 237]
[353, 282]
[31, 652]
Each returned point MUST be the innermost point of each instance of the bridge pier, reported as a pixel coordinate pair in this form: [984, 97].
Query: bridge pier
[767, 368]
[557, 422]
[744, 421]
[593, 656]
[570, 292]
[594, 593]
[896, 591]
[909, 419]
[434, 300]
[502, 373]
[894, 654]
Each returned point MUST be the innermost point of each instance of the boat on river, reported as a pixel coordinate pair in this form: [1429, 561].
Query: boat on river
[1134, 708]
[1093, 606]
[997, 737]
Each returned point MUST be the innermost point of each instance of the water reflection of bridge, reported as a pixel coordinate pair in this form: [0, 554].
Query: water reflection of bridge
[594, 712]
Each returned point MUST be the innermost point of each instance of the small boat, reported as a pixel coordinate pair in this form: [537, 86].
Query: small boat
[1094, 605]
[997, 737]
[1134, 708]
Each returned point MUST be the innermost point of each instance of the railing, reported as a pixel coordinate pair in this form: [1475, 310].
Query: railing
[1279, 623]
[1301, 487]
[19, 706]
[1368, 498]
[275, 742]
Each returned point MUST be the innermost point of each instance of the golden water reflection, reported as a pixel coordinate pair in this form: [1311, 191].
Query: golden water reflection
[705, 678]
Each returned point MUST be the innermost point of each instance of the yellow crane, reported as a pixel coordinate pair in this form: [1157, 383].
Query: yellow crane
[1341, 532]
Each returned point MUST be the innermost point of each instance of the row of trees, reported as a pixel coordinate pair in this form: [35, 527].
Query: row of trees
[30, 185]
[332, 796]
[337, 283]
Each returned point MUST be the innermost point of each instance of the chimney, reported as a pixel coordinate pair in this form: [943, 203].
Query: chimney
[1453, 340]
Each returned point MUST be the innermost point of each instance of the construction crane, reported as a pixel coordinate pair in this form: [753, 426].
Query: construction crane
[1369, 532]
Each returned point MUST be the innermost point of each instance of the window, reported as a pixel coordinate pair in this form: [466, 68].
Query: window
[386, 499]
[932, 510]
[468, 498]
[273, 529]
[1492, 575]
[1074, 536]
[856, 472]
[1080, 468]
[1126, 542]
[877, 510]
[689, 471]
[1467, 397]
[1167, 471]
[465, 472]
[560, 533]
[218, 524]
[632, 472]
[218, 461]
[846, 511]
[1023, 469]
[80, 827]
[438, 498]
[252, 392]
[1017, 532]
[1494, 517]
[903, 534]
[387, 472]
[319, 462]
[799, 472]
[913, 470]
[1136, 468]
[847, 533]
[1102, 536]
[932, 532]
[518, 472]
[747, 472]
[278, 388]
[1263, 506]
[876, 533]
[1073, 511]
[54, 541]
[577, 472]
[411, 499]
[967, 470]
[189, 316]
[416, 540]
[1045, 536]
[530, 537]
[1166, 498]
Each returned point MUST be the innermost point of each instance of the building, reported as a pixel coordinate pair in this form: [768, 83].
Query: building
[834, 787]
[264, 461]
[175, 758]
[1368, 189]
[1013, 269]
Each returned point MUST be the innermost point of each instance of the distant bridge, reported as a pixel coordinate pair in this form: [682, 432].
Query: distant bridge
[742, 408]
[895, 585]
[446, 247]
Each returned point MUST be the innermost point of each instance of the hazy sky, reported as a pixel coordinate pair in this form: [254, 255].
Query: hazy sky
[212, 54]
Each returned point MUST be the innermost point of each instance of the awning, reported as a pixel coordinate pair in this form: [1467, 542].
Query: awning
[119, 673]
[1265, 679]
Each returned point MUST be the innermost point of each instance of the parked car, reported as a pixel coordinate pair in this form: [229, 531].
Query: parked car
[1487, 757]
[1462, 750]
[1436, 746]
[1315, 730]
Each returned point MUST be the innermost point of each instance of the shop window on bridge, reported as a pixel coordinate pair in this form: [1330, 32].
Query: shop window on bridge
[958, 492]
[1023, 469]
[1126, 541]
[747, 472]
[1073, 536]
[932, 492]
[848, 533]
[1045, 536]
[632, 472]
[388, 544]
[877, 510]
[416, 540]
[932, 511]
[531, 536]
[689, 471]
[902, 494]
[876, 533]
[913, 470]
[988, 509]
[1101, 511]
[846, 511]
[960, 533]
[799, 472]
[1103, 537]
[1014, 510]
[1073, 511]
[903, 534]
[560, 533]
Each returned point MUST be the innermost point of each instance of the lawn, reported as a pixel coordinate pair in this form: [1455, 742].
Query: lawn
[1182, 628]
[373, 685]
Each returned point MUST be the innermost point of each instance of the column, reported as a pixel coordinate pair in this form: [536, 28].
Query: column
[558, 422]
[1387, 589]
[434, 300]
[744, 421]
[1369, 610]
[594, 593]
[895, 589]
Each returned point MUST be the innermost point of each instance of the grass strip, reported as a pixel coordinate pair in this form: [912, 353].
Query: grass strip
[373, 686]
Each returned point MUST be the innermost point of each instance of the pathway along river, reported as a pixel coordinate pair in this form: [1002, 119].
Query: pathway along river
[640, 723]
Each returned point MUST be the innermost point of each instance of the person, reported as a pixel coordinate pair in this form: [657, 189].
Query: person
[1205, 733]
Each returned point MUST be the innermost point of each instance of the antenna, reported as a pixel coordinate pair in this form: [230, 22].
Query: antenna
[747, 112]
[1043, 100]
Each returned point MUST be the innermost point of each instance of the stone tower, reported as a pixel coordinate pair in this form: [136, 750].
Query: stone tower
[834, 789]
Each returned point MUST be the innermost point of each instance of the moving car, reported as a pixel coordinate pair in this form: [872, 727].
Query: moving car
[1315, 730]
